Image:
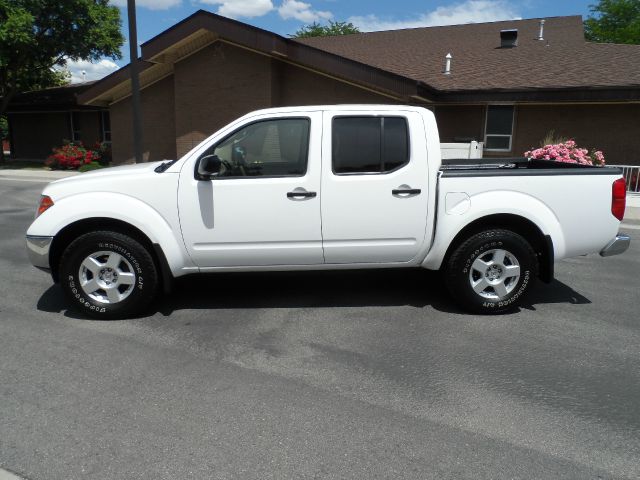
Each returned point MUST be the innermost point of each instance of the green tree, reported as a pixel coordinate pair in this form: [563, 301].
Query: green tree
[334, 28]
[39, 36]
[614, 21]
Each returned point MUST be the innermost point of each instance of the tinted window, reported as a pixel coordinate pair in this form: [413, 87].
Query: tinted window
[76, 129]
[369, 144]
[395, 143]
[106, 126]
[273, 148]
[499, 119]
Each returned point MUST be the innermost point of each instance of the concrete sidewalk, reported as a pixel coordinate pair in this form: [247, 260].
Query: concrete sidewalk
[633, 208]
[36, 175]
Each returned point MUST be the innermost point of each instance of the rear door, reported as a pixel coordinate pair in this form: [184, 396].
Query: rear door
[374, 186]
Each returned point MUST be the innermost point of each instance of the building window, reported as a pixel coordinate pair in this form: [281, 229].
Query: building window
[369, 144]
[105, 124]
[499, 128]
[74, 118]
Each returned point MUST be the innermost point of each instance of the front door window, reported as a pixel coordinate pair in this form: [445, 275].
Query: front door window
[270, 148]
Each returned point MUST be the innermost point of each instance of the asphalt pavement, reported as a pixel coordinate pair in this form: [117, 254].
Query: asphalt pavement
[363, 375]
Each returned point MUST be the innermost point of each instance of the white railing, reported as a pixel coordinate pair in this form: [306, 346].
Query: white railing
[631, 174]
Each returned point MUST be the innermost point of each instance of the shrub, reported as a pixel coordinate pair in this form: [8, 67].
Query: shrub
[567, 152]
[87, 167]
[104, 149]
[73, 155]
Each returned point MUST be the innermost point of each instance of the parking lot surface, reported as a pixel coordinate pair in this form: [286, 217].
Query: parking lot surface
[371, 374]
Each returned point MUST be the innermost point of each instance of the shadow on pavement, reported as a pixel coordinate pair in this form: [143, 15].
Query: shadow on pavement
[356, 288]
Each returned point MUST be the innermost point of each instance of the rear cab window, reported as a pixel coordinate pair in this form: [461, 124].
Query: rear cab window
[369, 144]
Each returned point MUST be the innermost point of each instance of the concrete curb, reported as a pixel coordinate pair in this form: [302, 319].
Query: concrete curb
[6, 475]
[632, 211]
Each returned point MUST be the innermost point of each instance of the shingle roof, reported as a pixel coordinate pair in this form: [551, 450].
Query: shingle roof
[562, 60]
[204, 27]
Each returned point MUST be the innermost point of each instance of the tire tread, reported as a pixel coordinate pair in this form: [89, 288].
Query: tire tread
[127, 308]
[455, 283]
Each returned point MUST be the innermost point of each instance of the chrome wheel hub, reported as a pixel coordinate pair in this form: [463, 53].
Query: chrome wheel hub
[106, 277]
[494, 274]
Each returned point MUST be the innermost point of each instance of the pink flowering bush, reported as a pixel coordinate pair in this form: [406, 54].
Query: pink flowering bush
[567, 152]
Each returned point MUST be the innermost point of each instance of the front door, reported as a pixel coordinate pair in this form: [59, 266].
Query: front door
[374, 186]
[263, 208]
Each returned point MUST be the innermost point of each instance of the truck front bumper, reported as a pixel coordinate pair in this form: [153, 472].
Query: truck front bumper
[38, 251]
[618, 245]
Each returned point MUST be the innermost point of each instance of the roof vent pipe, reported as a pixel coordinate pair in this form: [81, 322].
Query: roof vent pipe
[541, 34]
[508, 38]
[447, 64]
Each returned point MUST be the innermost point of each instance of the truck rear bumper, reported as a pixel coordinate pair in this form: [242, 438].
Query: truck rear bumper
[38, 251]
[618, 245]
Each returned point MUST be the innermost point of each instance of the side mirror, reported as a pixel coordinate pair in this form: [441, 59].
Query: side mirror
[208, 167]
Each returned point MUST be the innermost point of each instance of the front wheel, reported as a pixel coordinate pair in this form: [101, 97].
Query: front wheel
[108, 275]
[492, 271]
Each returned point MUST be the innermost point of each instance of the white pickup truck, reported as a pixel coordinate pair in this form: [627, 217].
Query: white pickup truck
[320, 188]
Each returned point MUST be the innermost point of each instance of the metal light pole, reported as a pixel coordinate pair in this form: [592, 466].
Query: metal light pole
[135, 81]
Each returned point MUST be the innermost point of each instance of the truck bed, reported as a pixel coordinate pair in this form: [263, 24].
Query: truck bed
[492, 167]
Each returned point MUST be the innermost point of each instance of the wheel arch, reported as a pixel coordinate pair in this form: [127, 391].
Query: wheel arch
[75, 229]
[542, 244]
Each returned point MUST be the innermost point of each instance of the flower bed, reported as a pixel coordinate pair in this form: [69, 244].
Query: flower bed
[75, 156]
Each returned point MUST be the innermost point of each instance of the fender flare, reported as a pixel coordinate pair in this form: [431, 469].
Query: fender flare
[486, 204]
[121, 207]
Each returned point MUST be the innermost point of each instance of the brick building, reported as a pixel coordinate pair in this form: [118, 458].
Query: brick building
[509, 84]
[43, 119]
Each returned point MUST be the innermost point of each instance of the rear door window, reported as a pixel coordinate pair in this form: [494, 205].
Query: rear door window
[369, 145]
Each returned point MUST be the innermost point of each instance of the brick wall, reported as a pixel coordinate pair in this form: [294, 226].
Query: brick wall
[297, 86]
[211, 88]
[456, 123]
[610, 128]
[222, 82]
[158, 127]
[35, 134]
[215, 86]
[614, 129]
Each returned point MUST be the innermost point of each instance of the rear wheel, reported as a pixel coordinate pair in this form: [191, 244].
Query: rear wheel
[108, 275]
[492, 271]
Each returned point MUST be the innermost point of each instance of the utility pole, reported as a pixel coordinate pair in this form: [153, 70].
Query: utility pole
[135, 81]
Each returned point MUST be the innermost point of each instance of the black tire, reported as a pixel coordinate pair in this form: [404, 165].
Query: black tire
[129, 287]
[482, 283]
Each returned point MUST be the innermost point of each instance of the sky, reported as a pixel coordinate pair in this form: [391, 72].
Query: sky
[286, 16]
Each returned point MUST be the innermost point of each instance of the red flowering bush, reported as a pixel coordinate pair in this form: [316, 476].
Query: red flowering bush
[567, 152]
[73, 155]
